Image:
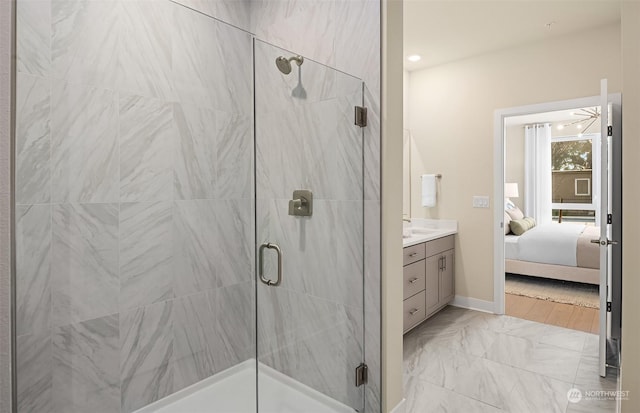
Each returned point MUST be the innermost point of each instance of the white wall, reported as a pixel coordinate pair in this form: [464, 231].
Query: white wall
[451, 116]
[406, 147]
[514, 161]
[405, 98]
[391, 202]
[630, 201]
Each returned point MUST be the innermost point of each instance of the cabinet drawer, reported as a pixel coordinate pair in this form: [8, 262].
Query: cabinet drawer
[413, 253]
[414, 311]
[413, 279]
[438, 245]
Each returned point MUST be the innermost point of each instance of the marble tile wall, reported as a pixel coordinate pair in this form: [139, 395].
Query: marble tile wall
[134, 217]
[115, 150]
[7, 207]
[343, 34]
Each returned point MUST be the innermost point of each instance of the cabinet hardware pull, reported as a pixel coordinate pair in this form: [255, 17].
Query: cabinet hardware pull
[413, 254]
[413, 280]
[412, 312]
[444, 263]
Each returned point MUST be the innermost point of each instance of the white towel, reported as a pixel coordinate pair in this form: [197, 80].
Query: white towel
[428, 190]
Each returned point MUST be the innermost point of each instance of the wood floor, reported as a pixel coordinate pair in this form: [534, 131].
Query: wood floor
[548, 312]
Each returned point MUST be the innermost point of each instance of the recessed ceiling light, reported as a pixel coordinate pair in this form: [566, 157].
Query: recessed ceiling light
[579, 126]
[560, 127]
[414, 58]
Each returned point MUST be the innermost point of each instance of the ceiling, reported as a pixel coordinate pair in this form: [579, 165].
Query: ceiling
[449, 30]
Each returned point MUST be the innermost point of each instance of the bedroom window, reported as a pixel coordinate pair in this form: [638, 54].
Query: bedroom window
[574, 182]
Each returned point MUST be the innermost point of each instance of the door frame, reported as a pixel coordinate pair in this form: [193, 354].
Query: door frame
[499, 175]
[615, 292]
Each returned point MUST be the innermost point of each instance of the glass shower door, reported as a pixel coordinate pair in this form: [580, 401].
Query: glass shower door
[309, 234]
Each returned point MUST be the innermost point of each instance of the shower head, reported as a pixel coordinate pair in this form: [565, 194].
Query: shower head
[284, 64]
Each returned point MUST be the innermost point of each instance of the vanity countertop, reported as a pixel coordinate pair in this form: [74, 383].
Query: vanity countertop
[423, 230]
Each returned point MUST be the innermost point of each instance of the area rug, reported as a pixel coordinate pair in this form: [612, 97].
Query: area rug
[566, 292]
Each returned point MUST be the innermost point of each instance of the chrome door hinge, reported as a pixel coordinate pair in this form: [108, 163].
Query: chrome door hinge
[361, 116]
[608, 306]
[609, 130]
[362, 374]
[609, 218]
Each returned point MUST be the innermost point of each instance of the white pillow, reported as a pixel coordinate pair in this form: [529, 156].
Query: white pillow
[513, 211]
[507, 221]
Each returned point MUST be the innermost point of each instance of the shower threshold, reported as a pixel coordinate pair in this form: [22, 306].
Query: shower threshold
[233, 391]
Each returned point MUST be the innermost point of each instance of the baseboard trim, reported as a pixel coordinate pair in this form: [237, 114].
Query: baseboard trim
[400, 408]
[473, 304]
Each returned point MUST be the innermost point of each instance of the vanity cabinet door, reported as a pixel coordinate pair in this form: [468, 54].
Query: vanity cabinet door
[447, 277]
[432, 281]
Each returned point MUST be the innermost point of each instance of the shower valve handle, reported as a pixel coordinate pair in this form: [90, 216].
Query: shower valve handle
[301, 204]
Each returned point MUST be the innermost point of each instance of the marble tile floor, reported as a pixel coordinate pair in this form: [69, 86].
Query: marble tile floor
[468, 361]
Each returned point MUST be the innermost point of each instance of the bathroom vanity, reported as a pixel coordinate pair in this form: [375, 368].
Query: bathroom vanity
[428, 272]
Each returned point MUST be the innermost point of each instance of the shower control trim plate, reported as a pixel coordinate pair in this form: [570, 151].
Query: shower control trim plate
[302, 203]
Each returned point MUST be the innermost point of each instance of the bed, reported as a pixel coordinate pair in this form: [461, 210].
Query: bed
[558, 251]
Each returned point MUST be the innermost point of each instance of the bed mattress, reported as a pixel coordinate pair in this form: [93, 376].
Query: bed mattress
[556, 244]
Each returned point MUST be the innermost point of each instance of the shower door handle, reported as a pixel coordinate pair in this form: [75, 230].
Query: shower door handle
[265, 280]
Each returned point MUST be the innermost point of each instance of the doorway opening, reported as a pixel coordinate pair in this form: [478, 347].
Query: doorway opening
[547, 225]
[551, 180]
